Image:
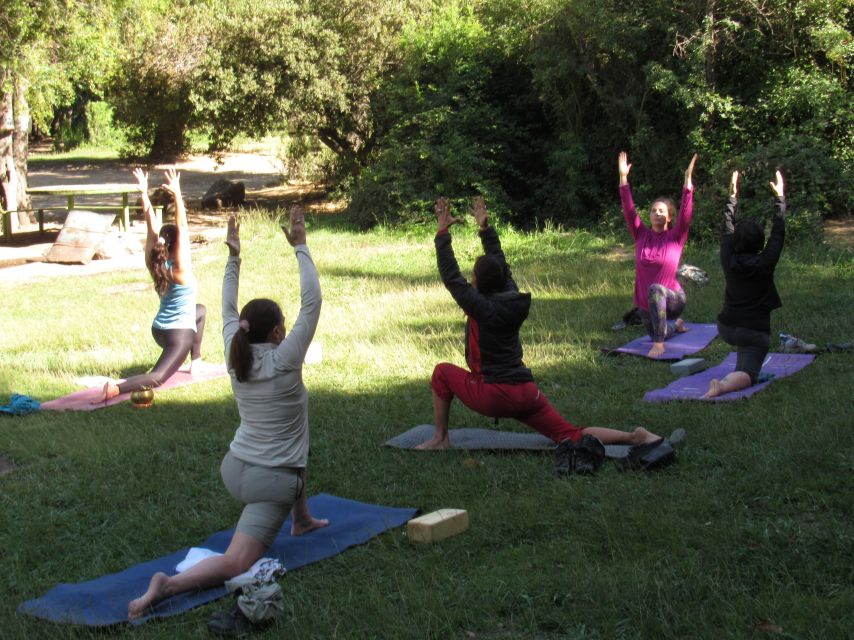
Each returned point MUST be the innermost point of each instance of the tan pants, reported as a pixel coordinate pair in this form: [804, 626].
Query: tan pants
[269, 493]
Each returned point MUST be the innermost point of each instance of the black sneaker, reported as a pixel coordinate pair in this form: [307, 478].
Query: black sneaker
[231, 622]
[648, 456]
[564, 458]
[589, 455]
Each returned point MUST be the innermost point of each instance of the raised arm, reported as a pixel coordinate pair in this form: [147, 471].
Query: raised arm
[489, 238]
[290, 353]
[182, 239]
[230, 314]
[774, 247]
[728, 224]
[466, 296]
[490, 242]
[630, 214]
[152, 228]
[686, 206]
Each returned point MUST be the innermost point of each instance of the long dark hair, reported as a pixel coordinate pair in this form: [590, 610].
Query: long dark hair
[157, 258]
[261, 316]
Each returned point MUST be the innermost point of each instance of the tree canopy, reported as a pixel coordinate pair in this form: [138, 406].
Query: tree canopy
[525, 101]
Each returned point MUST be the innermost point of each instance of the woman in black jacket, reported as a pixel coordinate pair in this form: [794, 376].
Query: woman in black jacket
[497, 383]
[748, 264]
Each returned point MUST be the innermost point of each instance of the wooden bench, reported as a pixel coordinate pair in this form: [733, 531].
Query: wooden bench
[6, 216]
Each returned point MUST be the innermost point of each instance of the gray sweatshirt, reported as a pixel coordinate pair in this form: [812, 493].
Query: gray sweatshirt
[273, 402]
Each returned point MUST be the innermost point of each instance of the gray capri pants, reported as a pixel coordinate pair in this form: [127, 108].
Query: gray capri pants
[752, 348]
[269, 493]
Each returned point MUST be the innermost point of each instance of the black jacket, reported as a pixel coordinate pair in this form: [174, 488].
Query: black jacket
[493, 349]
[750, 292]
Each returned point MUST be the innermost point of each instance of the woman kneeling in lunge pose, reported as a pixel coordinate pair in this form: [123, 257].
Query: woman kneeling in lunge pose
[498, 383]
[658, 248]
[265, 465]
[179, 324]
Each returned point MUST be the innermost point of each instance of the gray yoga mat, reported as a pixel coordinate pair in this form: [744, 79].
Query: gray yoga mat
[492, 440]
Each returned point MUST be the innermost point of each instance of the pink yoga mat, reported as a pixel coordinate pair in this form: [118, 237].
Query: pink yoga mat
[695, 339]
[82, 400]
[777, 365]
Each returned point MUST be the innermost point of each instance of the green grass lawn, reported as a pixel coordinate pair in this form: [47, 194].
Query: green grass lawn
[753, 525]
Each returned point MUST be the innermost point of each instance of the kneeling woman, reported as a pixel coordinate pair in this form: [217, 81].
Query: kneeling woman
[745, 321]
[179, 324]
[498, 383]
[658, 248]
[265, 465]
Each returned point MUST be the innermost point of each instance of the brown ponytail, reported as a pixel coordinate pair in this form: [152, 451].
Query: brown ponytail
[260, 316]
[157, 258]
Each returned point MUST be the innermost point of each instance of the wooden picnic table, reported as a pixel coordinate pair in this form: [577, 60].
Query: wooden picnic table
[71, 191]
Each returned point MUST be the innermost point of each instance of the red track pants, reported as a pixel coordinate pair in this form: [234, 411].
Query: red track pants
[522, 401]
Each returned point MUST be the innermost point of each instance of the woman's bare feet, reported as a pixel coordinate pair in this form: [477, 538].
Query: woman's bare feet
[714, 389]
[680, 326]
[301, 527]
[156, 592]
[110, 391]
[656, 350]
[436, 443]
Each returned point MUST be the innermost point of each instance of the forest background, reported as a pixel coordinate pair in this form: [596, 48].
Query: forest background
[392, 102]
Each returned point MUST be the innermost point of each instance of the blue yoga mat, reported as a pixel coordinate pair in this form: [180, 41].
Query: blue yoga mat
[104, 601]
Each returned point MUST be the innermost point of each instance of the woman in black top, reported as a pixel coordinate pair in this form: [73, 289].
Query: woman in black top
[748, 264]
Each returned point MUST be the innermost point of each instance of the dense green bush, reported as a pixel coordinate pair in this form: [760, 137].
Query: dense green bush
[463, 119]
[530, 102]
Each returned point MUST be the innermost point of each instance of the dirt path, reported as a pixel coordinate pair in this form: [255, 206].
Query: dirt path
[21, 259]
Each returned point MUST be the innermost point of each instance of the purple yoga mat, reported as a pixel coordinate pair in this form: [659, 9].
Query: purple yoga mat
[695, 339]
[694, 387]
[82, 400]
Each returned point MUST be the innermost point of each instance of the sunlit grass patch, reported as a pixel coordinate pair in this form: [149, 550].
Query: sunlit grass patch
[752, 522]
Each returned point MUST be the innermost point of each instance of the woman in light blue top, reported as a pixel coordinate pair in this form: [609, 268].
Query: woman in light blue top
[264, 467]
[179, 324]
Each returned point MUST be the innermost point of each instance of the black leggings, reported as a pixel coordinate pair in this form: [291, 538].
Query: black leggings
[752, 348]
[176, 344]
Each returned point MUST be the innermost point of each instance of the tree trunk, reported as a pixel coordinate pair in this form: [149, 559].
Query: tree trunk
[21, 149]
[8, 194]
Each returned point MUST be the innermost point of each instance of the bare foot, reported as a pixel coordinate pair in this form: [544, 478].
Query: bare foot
[156, 592]
[642, 436]
[714, 389]
[304, 526]
[680, 326]
[110, 391]
[436, 443]
[656, 350]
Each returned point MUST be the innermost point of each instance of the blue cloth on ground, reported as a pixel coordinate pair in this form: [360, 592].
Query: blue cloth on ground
[104, 601]
[20, 405]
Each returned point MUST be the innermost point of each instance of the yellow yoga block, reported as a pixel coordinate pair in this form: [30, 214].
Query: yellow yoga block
[438, 525]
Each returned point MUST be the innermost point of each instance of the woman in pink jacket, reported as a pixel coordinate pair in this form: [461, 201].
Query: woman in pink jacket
[658, 249]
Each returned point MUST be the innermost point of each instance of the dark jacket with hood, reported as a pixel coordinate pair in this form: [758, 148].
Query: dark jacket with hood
[493, 349]
[750, 292]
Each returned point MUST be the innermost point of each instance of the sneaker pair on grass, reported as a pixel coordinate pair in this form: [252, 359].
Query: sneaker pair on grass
[582, 458]
[587, 455]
